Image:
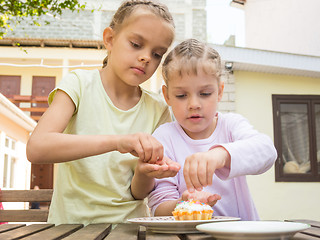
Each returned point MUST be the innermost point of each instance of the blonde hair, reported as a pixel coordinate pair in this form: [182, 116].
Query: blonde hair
[129, 6]
[188, 56]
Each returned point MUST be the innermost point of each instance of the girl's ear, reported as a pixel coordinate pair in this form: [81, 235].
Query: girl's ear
[221, 87]
[165, 94]
[108, 36]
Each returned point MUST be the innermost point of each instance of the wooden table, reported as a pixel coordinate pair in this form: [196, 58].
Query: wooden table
[122, 231]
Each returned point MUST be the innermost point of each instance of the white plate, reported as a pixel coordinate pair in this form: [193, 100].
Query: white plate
[249, 230]
[169, 225]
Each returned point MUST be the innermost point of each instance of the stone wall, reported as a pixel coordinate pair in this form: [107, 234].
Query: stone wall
[189, 16]
[227, 103]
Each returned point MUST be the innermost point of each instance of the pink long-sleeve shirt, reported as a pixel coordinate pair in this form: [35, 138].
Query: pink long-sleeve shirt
[251, 153]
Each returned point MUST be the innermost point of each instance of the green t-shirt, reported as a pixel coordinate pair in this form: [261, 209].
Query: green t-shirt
[97, 189]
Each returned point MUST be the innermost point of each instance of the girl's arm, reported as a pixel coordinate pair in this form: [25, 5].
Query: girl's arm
[141, 185]
[166, 208]
[48, 143]
[143, 179]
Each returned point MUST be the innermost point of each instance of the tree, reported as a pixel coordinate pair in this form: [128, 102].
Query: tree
[12, 12]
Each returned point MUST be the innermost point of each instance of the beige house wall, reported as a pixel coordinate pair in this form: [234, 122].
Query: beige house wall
[13, 130]
[286, 26]
[276, 200]
[15, 127]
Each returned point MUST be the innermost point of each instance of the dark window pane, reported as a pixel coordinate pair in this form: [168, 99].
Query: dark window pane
[295, 138]
[317, 120]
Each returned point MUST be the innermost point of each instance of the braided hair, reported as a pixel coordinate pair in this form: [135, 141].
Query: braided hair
[129, 6]
[188, 56]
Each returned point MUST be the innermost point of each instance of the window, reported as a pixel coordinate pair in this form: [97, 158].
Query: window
[7, 161]
[296, 121]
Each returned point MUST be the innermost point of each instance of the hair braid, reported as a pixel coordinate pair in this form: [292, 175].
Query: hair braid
[186, 57]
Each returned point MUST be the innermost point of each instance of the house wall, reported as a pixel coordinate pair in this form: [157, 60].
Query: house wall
[275, 200]
[22, 167]
[61, 58]
[286, 26]
[12, 129]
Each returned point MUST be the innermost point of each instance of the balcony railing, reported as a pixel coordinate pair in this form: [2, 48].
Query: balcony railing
[34, 105]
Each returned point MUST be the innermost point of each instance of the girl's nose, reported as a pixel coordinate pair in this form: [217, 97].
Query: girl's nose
[194, 102]
[145, 58]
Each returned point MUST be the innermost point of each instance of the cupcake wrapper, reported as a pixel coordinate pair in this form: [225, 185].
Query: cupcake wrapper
[182, 215]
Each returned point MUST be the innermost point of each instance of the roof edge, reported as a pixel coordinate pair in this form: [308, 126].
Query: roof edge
[15, 114]
[41, 42]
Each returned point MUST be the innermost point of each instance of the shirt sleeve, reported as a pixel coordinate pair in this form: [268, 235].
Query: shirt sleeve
[71, 85]
[251, 152]
[165, 189]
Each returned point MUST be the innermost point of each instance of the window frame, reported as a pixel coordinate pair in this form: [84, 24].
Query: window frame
[311, 101]
[11, 154]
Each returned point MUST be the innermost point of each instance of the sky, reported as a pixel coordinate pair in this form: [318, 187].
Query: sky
[223, 21]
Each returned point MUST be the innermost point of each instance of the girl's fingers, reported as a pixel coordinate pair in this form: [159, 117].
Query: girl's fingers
[202, 173]
[194, 175]
[213, 199]
[138, 151]
[146, 146]
[134, 153]
[210, 171]
[149, 168]
[187, 177]
[173, 166]
[157, 154]
[153, 150]
[167, 168]
[190, 173]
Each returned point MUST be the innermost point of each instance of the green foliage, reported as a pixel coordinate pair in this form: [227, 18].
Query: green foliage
[12, 12]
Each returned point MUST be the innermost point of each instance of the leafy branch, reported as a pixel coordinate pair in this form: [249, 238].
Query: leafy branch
[13, 12]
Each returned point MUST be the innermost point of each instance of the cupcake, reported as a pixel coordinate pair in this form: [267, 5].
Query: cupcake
[192, 210]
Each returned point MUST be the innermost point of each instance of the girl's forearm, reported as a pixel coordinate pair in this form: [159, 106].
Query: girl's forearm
[166, 208]
[60, 147]
[141, 185]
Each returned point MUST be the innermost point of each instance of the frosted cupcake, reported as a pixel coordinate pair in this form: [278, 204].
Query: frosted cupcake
[192, 210]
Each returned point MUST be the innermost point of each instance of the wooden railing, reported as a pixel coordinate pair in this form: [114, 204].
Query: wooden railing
[37, 104]
[26, 215]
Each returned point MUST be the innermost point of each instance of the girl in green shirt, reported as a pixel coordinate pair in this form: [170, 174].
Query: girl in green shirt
[99, 122]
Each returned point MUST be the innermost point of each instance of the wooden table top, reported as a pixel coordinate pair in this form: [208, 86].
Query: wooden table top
[122, 231]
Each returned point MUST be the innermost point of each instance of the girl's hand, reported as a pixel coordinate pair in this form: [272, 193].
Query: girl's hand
[199, 167]
[204, 197]
[162, 169]
[143, 179]
[141, 145]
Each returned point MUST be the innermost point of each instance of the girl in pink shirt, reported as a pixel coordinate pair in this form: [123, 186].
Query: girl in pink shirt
[216, 151]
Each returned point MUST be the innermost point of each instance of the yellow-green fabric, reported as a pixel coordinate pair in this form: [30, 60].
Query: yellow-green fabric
[97, 189]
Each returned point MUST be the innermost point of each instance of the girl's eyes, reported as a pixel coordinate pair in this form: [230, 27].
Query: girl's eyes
[157, 55]
[135, 45]
[138, 46]
[205, 94]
